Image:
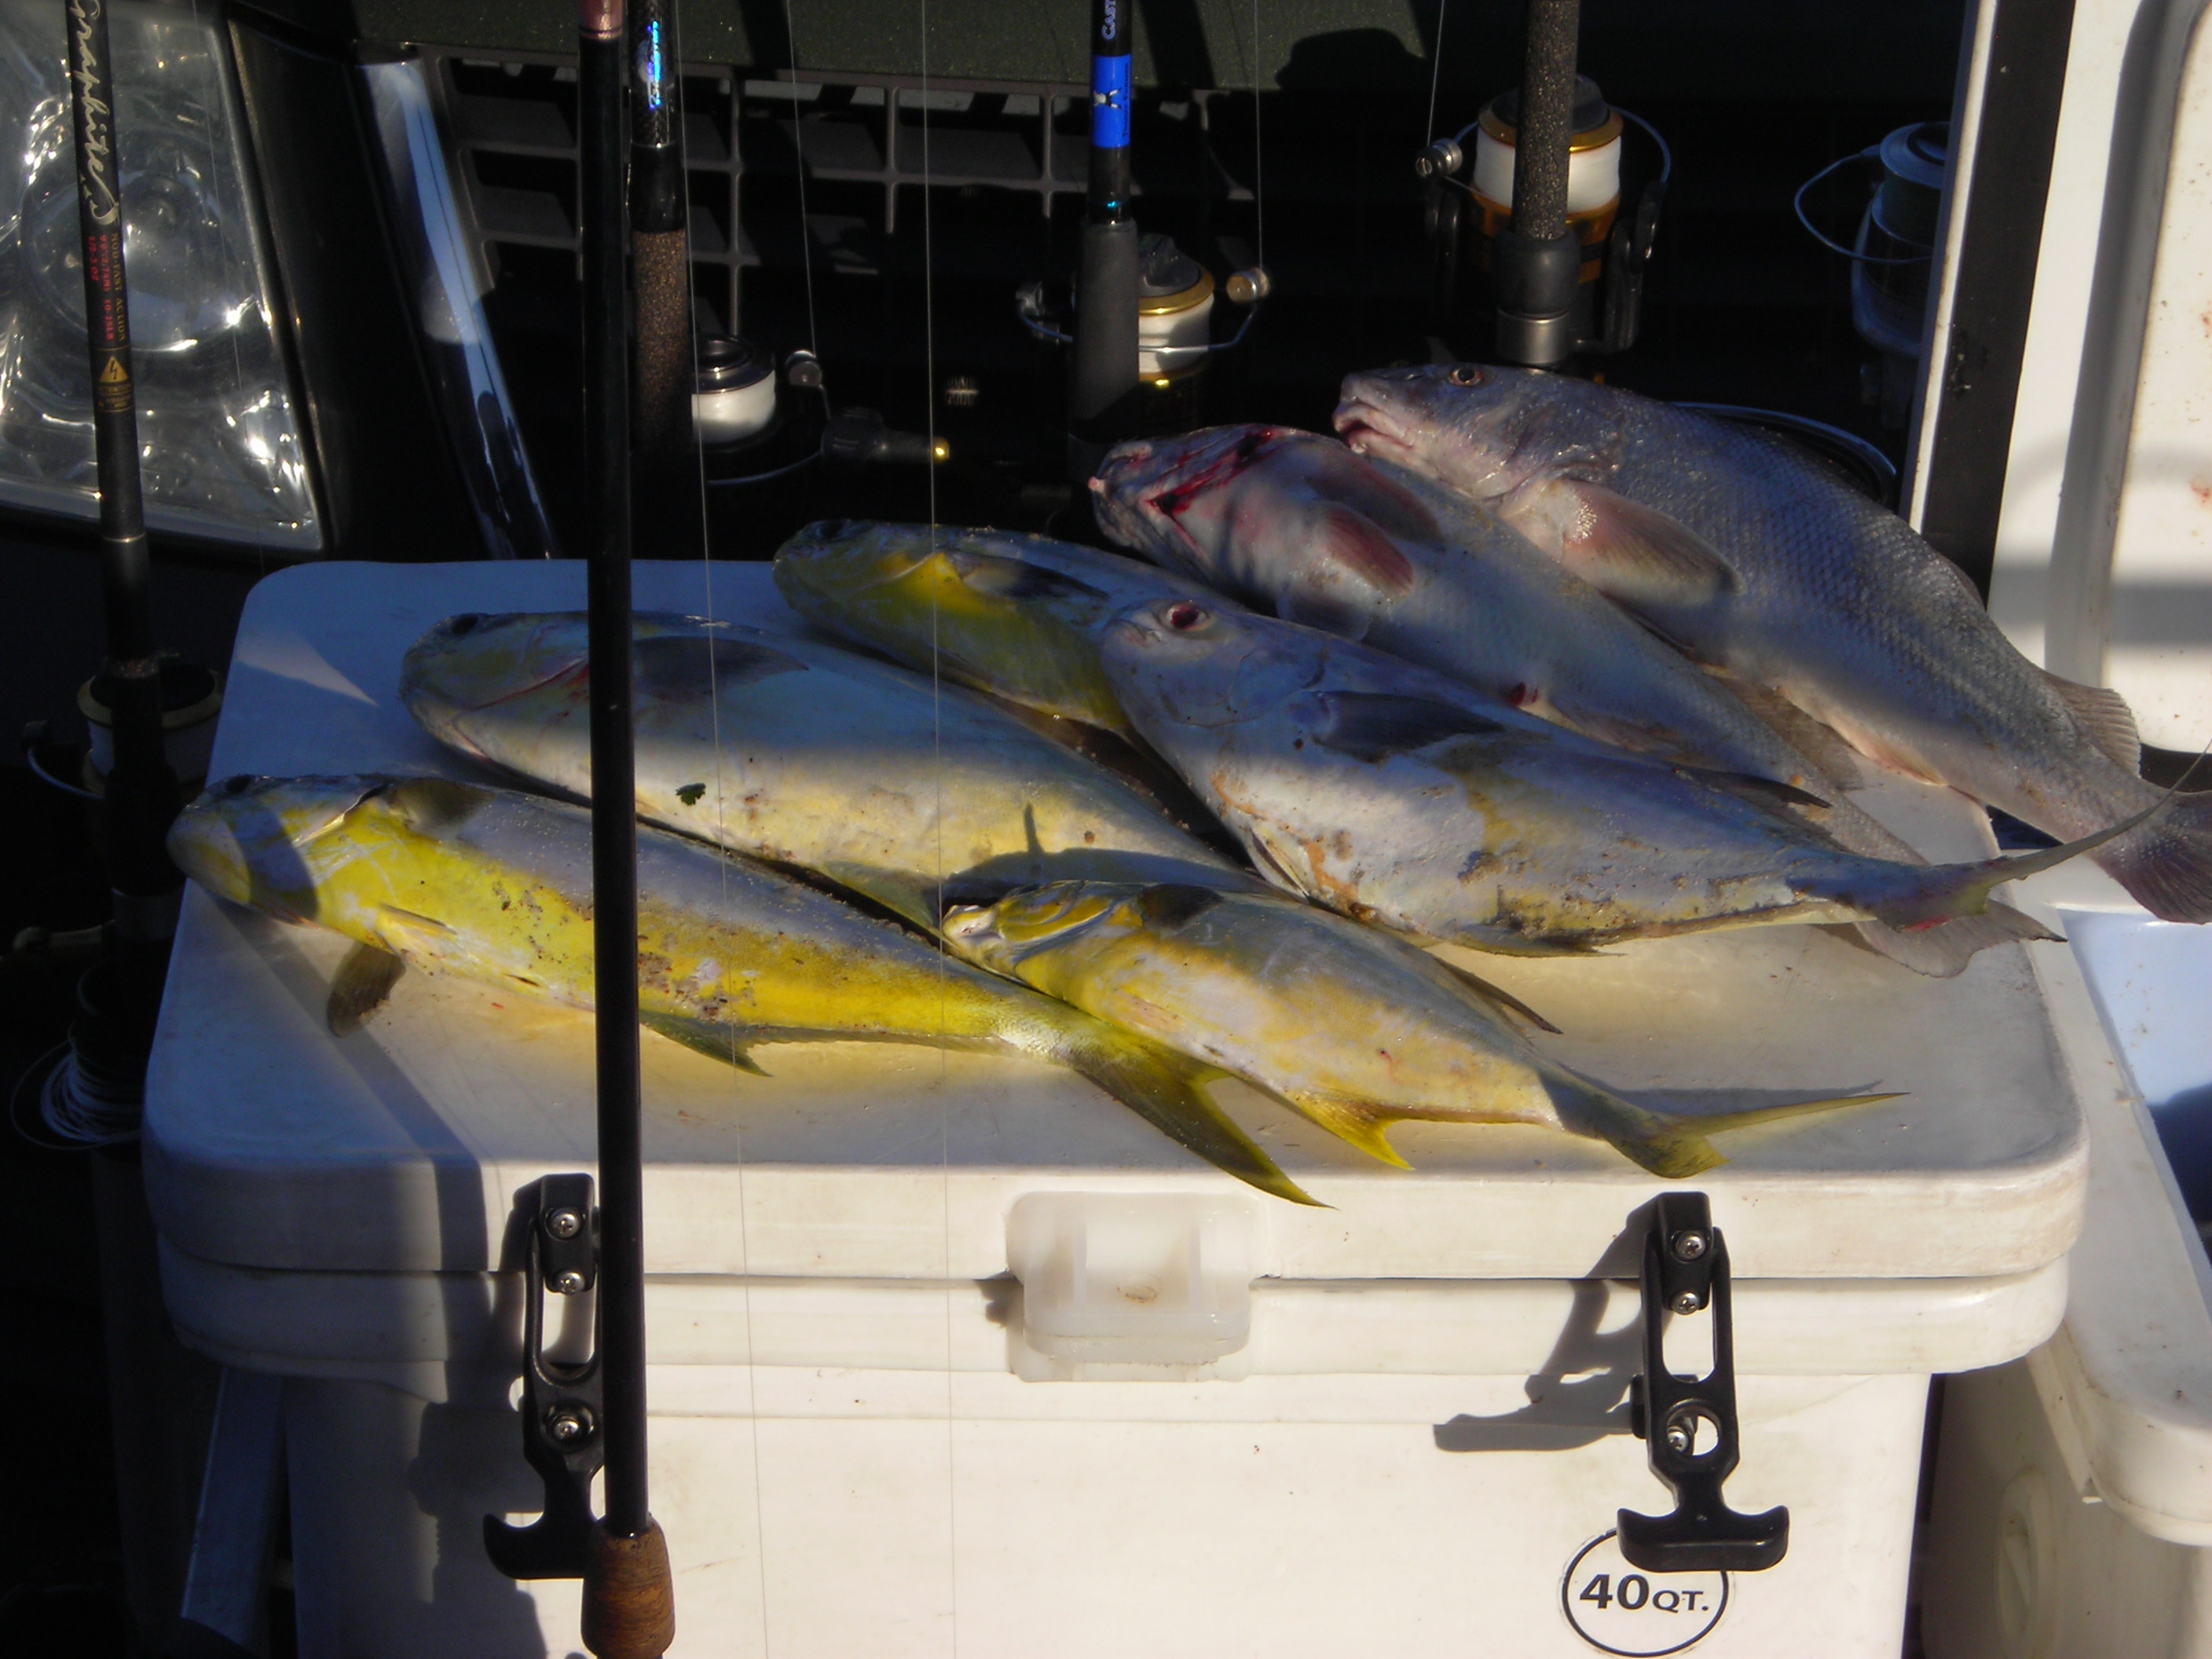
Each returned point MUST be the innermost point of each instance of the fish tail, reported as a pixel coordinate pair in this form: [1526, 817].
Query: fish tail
[1167, 1089]
[2166, 866]
[1920, 895]
[1671, 1144]
[1943, 950]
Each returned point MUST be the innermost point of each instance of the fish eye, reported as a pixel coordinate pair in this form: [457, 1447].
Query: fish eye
[461, 626]
[1184, 615]
[237, 784]
[1465, 374]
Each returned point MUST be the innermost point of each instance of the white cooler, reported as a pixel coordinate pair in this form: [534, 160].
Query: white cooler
[953, 1354]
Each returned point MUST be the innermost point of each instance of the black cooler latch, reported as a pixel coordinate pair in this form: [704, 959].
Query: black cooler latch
[1688, 1424]
[561, 1406]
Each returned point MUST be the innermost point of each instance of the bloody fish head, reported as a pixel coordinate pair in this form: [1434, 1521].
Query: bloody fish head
[1458, 423]
[1144, 489]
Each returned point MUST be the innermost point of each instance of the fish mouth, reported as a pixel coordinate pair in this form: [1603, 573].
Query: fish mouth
[1368, 427]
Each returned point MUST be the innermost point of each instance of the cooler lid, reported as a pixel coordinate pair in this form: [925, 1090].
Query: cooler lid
[268, 1144]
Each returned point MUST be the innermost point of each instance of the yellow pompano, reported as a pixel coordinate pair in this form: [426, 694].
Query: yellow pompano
[804, 753]
[1355, 1029]
[496, 886]
[1017, 616]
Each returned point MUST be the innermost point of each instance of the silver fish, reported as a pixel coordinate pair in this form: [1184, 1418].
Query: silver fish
[1753, 557]
[1298, 525]
[495, 886]
[800, 753]
[1352, 1028]
[1398, 796]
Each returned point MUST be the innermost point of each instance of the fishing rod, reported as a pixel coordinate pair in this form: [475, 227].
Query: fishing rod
[666, 503]
[629, 1599]
[1103, 374]
[582, 1419]
[140, 799]
[1536, 261]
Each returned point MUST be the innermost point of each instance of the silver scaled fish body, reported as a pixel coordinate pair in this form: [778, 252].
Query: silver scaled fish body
[1398, 796]
[1014, 615]
[800, 753]
[1755, 558]
[495, 886]
[1352, 1028]
[1298, 525]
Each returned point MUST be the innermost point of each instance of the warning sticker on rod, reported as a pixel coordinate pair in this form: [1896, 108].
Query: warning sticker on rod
[1616, 1608]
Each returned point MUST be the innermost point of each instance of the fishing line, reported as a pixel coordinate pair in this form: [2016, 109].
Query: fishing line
[721, 839]
[937, 741]
[798, 161]
[1435, 70]
[1259, 152]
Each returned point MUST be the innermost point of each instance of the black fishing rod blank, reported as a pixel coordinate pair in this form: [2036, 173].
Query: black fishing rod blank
[582, 1419]
[141, 791]
[629, 1607]
[1101, 382]
[1536, 261]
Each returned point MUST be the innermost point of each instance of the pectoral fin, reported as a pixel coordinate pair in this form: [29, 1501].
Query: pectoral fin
[1372, 726]
[677, 666]
[1632, 552]
[702, 1038]
[360, 988]
[1497, 996]
[1817, 741]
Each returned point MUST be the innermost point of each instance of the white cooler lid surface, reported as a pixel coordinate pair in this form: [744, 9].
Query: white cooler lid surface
[268, 1144]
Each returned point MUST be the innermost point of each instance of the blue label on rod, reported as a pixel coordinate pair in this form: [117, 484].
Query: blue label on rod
[1109, 102]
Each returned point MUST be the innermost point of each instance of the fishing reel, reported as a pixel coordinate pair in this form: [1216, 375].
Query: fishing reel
[1176, 297]
[1467, 203]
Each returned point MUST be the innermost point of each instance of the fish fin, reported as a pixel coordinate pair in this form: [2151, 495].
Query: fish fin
[1313, 601]
[2105, 717]
[906, 896]
[1909, 895]
[1768, 791]
[1372, 725]
[2167, 869]
[1674, 1145]
[1350, 1121]
[1814, 740]
[1501, 942]
[1336, 474]
[1747, 1117]
[703, 1037]
[1651, 1140]
[1634, 552]
[677, 666]
[1943, 951]
[1002, 577]
[1166, 1088]
[1360, 547]
[1496, 996]
[360, 988]
[400, 929]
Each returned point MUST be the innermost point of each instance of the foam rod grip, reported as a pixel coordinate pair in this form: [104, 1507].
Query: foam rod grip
[630, 1598]
[663, 367]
